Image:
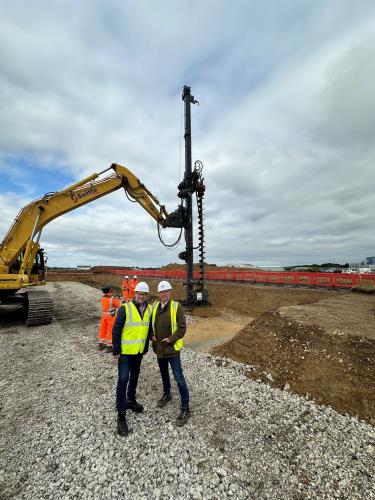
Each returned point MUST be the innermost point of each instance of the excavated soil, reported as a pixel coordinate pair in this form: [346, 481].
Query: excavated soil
[324, 350]
[317, 343]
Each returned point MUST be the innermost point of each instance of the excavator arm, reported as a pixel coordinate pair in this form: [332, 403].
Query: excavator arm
[20, 247]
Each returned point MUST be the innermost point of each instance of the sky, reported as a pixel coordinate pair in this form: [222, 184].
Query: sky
[284, 127]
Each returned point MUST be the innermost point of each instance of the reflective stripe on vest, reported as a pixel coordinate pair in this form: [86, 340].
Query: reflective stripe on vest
[135, 331]
[173, 309]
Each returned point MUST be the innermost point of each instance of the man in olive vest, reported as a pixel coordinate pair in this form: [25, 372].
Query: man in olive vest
[168, 326]
[130, 343]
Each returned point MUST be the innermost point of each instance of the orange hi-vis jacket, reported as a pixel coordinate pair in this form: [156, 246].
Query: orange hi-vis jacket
[132, 285]
[125, 289]
[109, 305]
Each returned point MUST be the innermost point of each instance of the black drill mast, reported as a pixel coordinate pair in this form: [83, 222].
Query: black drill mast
[196, 293]
[192, 183]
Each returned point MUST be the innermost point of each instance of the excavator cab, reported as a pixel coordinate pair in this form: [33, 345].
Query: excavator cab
[39, 268]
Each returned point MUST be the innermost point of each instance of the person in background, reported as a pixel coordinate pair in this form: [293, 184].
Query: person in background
[125, 288]
[132, 284]
[109, 305]
[168, 327]
[130, 343]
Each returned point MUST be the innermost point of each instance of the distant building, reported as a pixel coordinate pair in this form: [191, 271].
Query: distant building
[351, 270]
[353, 265]
[370, 261]
[84, 268]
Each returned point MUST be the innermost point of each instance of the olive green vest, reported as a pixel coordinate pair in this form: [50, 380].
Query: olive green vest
[135, 331]
[174, 306]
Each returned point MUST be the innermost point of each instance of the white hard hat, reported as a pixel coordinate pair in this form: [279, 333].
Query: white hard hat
[135, 276]
[126, 277]
[142, 287]
[163, 286]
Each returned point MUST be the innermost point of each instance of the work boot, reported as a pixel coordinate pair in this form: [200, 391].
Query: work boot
[122, 426]
[183, 418]
[133, 405]
[164, 400]
[101, 346]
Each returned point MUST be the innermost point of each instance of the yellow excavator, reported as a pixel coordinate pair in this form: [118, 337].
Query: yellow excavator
[22, 260]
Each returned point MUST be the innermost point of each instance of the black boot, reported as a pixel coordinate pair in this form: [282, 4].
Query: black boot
[122, 426]
[133, 405]
[167, 396]
[183, 418]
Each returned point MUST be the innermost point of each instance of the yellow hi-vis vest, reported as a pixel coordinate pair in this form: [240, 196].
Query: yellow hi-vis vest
[173, 307]
[135, 331]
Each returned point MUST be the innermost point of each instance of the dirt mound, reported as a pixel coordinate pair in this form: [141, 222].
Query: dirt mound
[255, 300]
[331, 366]
[351, 314]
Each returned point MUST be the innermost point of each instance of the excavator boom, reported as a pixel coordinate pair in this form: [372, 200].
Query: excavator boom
[22, 259]
[32, 218]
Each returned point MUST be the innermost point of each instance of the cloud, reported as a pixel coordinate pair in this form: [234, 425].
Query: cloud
[283, 125]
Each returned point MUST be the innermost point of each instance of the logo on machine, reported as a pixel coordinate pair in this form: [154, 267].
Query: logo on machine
[76, 196]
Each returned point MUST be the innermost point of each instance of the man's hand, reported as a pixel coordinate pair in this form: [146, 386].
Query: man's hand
[116, 358]
[153, 338]
[166, 340]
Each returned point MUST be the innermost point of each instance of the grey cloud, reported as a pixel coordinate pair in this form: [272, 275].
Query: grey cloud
[283, 127]
[347, 105]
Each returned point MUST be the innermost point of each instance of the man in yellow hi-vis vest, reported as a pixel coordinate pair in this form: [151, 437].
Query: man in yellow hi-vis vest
[130, 343]
[168, 327]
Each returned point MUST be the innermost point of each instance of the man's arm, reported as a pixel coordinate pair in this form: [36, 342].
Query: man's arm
[117, 330]
[151, 333]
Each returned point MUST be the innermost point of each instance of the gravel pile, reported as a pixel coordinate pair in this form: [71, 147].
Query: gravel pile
[190, 320]
[244, 439]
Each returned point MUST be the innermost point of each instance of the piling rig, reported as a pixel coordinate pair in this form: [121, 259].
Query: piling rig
[192, 183]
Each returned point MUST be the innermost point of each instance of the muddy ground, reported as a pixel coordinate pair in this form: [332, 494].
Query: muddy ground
[318, 343]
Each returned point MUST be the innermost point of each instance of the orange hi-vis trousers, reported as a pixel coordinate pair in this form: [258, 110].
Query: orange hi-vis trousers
[105, 332]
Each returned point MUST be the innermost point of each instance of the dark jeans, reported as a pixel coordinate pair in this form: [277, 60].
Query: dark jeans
[129, 366]
[175, 363]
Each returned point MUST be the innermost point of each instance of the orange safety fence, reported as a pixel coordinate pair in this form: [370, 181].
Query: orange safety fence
[328, 280]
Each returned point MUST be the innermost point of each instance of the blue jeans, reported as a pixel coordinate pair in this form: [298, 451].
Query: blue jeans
[129, 366]
[178, 374]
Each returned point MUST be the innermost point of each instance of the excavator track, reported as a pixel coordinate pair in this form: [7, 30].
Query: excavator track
[39, 308]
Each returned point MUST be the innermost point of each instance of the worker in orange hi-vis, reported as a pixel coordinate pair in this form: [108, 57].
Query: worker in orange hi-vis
[133, 284]
[109, 304]
[125, 288]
